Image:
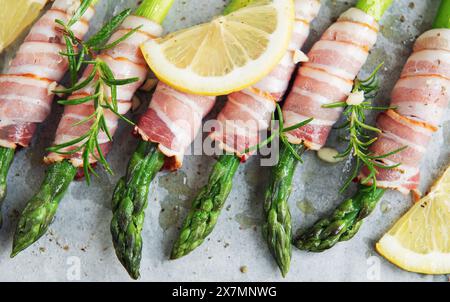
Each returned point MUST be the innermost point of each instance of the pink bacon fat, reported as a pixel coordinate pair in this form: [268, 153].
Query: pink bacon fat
[125, 61]
[248, 112]
[26, 89]
[334, 62]
[421, 96]
[173, 120]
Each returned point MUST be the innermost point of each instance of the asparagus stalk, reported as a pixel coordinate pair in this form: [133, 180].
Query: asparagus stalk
[346, 220]
[277, 228]
[6, 158]
[40, 210]
[443, 17]
[206, 207]
[208, 204]
[129, 199]
[155, 10]
[128, 206]
[375, 8]
[129, 202]
[343, 224]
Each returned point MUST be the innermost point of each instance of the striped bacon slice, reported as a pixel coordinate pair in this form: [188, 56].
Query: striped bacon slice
[334, 62]
[421, 96]
[125, 61]
[26, 89]
[248, 112]
[173, 120]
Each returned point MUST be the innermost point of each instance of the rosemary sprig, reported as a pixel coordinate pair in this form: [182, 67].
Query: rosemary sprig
[358, 139]
[101, 79]
[280, 132]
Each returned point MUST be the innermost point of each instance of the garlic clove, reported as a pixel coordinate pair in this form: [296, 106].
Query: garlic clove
[329, 155]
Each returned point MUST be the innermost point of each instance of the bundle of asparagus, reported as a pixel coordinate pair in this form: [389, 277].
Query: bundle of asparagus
[163, 144]
[98, 100]
[26, 89]
[419, 98]
[255, 104]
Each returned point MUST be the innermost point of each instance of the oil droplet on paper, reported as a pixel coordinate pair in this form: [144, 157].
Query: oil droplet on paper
[176, 203]
[385, 207]
[246, 220]
[306, 207]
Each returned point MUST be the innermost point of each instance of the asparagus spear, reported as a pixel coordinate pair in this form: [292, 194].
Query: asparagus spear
[128, 206]
[6, 158]
[443, 17]
[277, 228]
[39, 212]
[343, 224]
[346, 220]
[129, 202]
[206, 207]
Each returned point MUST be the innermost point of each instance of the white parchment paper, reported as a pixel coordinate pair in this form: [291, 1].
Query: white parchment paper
[80, 233]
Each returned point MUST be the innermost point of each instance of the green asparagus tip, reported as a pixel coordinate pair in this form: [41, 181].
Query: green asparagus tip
[284, 270]
[133, 273]
[129, 203]
[20, 245]
[344, 222]
[14, 253]
[206, 207]
[174, 255]
[277, 229]
[39, 212]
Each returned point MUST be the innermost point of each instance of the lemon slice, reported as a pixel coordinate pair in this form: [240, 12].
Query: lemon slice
[15, 17]
[228, 54]
[420, 241]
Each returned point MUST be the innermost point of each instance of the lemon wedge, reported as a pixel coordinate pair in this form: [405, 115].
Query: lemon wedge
[15, 17]
[420, 241]
[228, 54]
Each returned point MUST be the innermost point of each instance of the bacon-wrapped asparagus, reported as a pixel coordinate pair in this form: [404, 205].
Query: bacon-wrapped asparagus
[334, 62]
[121, 60]
[172, 122]
[26, 89]
[167, 128]
[328, 76]
[420, 97]
[125, 61]
[245, 114]
[248, 112]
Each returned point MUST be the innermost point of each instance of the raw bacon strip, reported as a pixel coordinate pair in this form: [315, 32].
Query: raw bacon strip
[173, 120]
[249, 111]
[433, 39]
[334, 62]
[409, 94]
[420, 97]
[125, 61]
[25, 91]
